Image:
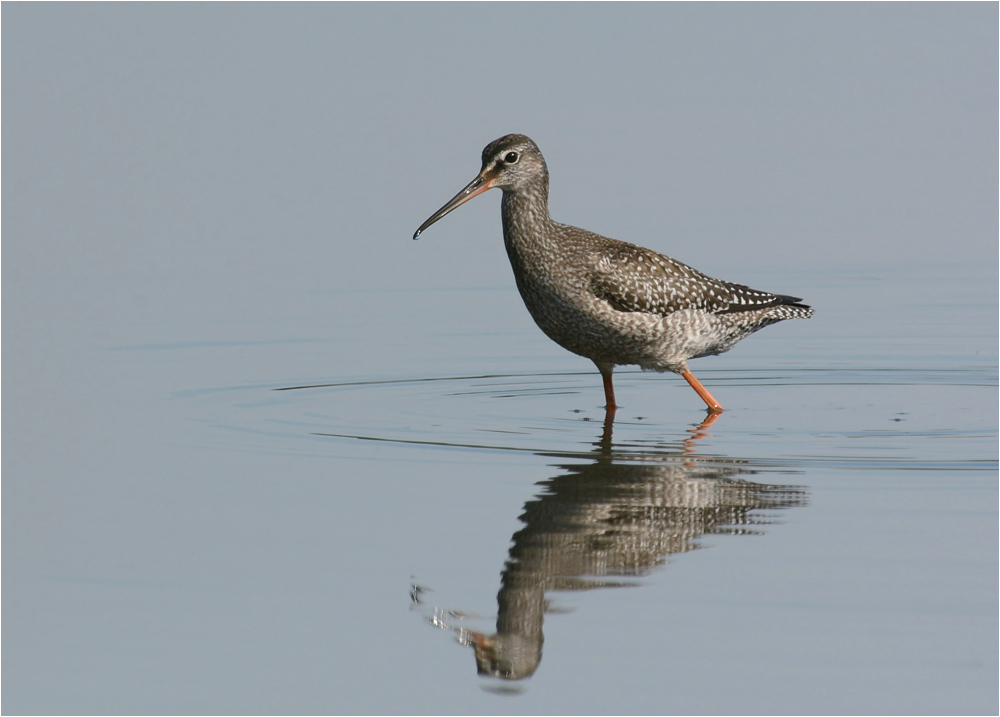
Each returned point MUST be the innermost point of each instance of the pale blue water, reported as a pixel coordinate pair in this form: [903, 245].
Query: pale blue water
[264, 454]
[253, 545]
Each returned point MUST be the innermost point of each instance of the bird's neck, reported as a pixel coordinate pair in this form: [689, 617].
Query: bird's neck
[525, 213]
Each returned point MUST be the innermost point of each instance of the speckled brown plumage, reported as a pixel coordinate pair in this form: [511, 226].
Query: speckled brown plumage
[612, 302]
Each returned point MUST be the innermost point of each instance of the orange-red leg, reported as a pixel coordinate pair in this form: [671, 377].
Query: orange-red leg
[713, 405]
[609, 391]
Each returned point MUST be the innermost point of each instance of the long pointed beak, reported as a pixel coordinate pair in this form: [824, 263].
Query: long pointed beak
[474, 188]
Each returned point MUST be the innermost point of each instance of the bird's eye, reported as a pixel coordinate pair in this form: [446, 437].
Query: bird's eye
[510, 157]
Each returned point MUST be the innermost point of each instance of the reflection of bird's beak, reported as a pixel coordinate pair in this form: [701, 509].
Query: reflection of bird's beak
[476, 187]
[477, 638]
[486, 655]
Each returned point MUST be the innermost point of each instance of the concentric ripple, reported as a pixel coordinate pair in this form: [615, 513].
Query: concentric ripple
[791, 419]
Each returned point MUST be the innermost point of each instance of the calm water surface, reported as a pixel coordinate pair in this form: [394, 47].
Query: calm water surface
[450, 524]
[264, 454]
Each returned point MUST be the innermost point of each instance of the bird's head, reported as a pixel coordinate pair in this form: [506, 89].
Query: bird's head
[511, 163]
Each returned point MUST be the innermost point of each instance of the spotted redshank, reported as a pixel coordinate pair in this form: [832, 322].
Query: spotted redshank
[615, 303]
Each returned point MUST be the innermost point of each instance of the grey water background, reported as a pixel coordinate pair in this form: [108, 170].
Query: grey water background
[204, 203]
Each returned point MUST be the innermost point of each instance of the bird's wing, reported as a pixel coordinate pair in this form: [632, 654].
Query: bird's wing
[632, 278]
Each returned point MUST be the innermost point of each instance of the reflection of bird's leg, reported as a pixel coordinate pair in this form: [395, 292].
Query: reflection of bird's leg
[709, 420]
[609, 424]
[699, 432]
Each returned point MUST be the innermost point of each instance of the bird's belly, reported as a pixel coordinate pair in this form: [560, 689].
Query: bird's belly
[592, 328]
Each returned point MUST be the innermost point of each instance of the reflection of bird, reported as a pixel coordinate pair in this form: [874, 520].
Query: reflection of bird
[612, 302]
[597, 523]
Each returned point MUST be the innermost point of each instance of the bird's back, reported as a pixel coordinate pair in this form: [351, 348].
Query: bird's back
[633, 278]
